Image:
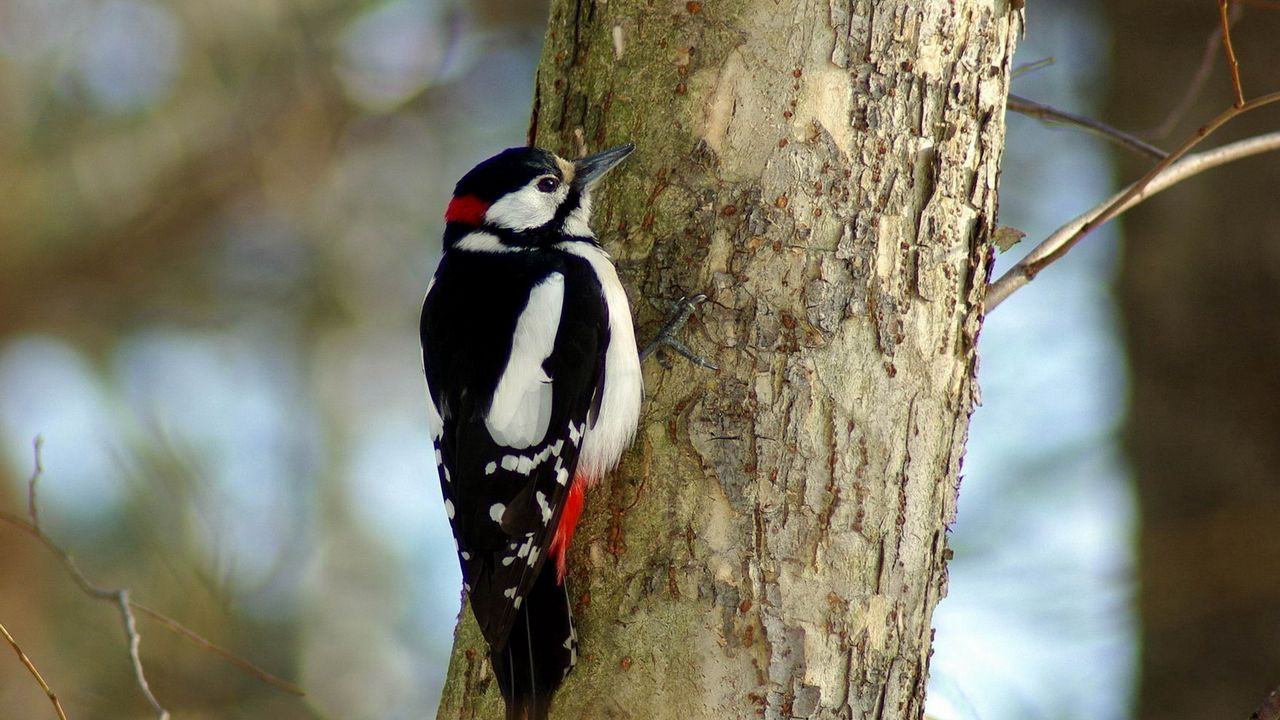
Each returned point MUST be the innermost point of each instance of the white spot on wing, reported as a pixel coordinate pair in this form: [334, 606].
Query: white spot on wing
[576, 223]
[448, 508]
[509, 462]
[521, 407]
[491, 468]
[542, 456]
[542, 503]
[533, 555]
[496, 510]
[517, 602]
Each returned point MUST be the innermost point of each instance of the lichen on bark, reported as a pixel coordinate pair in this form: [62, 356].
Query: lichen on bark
[775, 542]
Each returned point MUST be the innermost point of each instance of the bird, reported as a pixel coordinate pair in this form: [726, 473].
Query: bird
[534, 388]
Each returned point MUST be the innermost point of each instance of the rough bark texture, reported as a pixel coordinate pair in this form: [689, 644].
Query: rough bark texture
[1198, 288]
[775, 543]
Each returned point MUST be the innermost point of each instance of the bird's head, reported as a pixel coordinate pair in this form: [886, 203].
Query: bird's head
[526, 194]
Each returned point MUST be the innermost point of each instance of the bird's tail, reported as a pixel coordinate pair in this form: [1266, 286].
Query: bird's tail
[540, 651]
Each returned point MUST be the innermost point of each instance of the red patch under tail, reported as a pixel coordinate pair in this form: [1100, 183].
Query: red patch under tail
[568, 521]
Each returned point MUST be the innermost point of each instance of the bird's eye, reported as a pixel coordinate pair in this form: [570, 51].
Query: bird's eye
[548, 184]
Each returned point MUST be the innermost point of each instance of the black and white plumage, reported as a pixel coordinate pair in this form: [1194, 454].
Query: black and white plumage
[534, 386]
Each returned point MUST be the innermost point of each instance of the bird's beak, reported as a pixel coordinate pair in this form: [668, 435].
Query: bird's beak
[588, 171]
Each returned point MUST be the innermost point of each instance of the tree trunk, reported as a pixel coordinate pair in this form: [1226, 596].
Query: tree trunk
[1198, 288]
[775, 542]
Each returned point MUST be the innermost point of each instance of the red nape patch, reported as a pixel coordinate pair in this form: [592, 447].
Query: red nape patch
[468, 210]
[568, 521]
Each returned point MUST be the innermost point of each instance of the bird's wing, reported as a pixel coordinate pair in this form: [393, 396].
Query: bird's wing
[510, 432]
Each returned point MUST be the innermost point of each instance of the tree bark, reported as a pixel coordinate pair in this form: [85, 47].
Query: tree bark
[775, 542]
[1198, 288]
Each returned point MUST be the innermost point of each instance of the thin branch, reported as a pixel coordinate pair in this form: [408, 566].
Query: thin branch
[1033, 66]
[1161, 176]
[31, 668]
[221, 652]
[1231, 53]
[135, 657]
[1048, 113]
[1057, 244]
[32, 512]
[1198, 81]
[1111, 211]
[120, 598]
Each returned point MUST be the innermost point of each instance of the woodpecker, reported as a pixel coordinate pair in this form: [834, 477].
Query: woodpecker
[534, 385]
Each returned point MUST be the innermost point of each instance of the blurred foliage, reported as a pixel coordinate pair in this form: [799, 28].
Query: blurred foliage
[218, 220]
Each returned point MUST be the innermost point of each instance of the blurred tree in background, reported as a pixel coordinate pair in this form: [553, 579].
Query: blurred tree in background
[1199, 290]
[217, 225]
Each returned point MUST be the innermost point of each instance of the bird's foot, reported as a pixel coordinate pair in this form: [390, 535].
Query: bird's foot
[666, 336]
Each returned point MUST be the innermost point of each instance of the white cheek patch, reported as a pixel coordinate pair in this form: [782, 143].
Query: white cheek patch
[526, 208]
[521, 407]
[484, 242]
[577, 224]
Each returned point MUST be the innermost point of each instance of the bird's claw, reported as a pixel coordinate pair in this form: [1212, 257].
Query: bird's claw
[666, 336]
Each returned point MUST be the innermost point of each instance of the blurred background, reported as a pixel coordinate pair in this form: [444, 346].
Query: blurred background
[218, 220]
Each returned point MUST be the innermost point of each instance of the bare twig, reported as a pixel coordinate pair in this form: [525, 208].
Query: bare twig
[120, 598]
[1161, 176]
[135, 658]
[1198, 81]
[1048, 113]
[1033, 66]
[31, 668]
[1164, 176]
[221, 652]
[32, 512]
[1231, 53]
